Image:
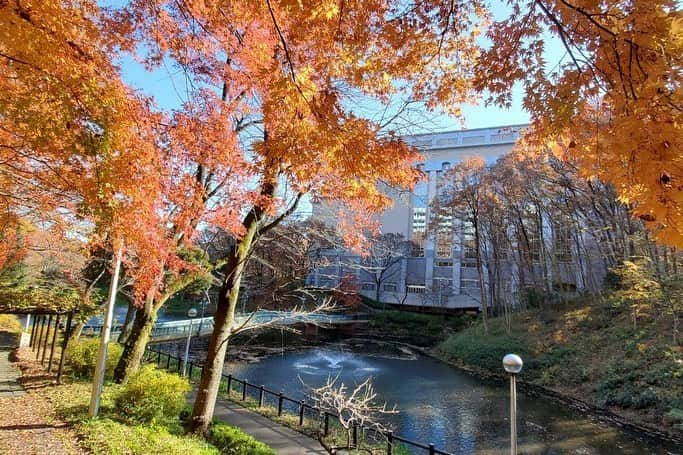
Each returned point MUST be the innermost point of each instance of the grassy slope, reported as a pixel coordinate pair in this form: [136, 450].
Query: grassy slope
[591, 353]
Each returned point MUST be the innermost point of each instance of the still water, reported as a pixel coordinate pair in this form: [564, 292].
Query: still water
[443, 405]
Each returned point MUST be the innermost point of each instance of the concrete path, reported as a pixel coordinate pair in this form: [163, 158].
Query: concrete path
[9, 373]
[283, 440]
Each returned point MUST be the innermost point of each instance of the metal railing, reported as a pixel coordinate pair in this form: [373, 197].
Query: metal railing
[298, 408]
[182, 327]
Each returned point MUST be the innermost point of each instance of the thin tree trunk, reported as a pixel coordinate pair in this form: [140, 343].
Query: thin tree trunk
[482, 281]
[76, 330]
[134, 349]
[127, 324]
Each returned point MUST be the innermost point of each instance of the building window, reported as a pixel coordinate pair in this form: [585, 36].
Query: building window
[413, 289]
[444, 240]
[389, 287]
[367, 286]
[562, 241]
[419, 221]
[501, 245]
[444, 263]
[532, 228]
[443, 285]
[445, 166]
[418, 242]
[469, 245]
[469, 283]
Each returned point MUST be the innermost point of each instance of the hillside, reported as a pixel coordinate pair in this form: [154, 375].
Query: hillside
[591, 353]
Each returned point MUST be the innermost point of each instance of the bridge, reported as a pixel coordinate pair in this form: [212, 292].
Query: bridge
[174, 330]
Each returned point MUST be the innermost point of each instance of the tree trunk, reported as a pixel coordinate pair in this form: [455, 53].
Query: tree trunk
[207, 392]
[674, 331]
[202, 411]
[482, 280]
[137, 341]
[127, 324]
[76, 330]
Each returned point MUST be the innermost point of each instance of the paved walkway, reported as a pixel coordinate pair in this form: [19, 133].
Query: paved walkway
[9, 373]
[283, 440]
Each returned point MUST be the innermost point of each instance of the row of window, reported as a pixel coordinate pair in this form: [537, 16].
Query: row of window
[562, 241]
[442, 285]
[388, 287]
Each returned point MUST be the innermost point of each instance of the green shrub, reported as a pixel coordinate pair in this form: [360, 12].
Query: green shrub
[152, 396]
[81, 357]
[233, 441]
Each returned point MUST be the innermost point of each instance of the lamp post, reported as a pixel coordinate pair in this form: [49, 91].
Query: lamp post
[205, 301]
[513, 365]
[191, 313]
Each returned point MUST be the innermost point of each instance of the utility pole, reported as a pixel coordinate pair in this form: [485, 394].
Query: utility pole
[98, 380]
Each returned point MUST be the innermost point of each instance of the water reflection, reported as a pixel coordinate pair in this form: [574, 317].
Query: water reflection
[443, 405]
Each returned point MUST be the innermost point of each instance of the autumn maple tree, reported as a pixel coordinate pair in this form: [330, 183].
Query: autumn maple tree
[80, 150]
[614, 103]
[77, 146]
[288, 70]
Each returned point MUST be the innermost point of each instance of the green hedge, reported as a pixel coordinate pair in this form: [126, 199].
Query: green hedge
[472, 347]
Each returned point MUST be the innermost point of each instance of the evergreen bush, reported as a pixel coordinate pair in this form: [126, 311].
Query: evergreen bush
[152, 396]
[81, 357]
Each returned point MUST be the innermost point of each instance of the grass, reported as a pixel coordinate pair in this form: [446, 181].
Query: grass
[107, 436]
[110, 434]
[591, 352]
[232, 441]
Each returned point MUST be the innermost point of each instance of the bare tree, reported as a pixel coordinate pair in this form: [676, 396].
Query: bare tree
[354, 407]
[383, 260]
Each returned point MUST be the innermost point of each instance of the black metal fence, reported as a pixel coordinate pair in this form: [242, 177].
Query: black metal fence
[284, 405]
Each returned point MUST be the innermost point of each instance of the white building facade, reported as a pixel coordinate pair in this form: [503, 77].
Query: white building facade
[440, 269]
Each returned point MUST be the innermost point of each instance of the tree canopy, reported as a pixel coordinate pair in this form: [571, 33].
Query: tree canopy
[614, 103]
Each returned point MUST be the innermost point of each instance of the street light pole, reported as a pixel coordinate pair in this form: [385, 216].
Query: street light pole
[513, 365]
[191, 313]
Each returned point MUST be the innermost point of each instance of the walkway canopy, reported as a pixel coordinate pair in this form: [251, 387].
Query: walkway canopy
[53, 311]
[38, 300]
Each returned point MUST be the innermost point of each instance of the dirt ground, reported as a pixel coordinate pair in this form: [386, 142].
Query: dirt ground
[28, 423]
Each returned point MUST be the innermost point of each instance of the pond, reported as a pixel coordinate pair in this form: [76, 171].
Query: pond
[443, 405]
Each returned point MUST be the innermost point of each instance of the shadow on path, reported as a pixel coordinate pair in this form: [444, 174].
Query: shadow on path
[9, 373]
